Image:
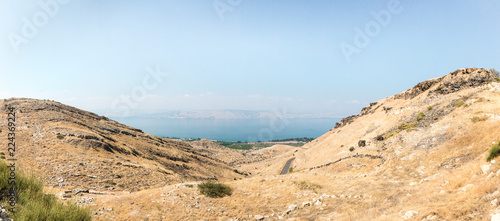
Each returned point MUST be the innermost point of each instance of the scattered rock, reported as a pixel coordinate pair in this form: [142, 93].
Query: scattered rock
[495, 217]
[490, 175]
[465, 188]
[431, 217]
[3, 215]
[410, 214]
[494, 202]
[259, 217]
[485, 168]
[362, 143]
[291, 208]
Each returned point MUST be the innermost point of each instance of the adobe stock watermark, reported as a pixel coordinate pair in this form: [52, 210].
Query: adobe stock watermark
[372, 29]
[40, 19]
[223, 6]
[123, 103]
[277, 123]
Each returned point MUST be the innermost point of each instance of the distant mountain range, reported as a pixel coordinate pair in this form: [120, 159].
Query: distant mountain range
[218, 114]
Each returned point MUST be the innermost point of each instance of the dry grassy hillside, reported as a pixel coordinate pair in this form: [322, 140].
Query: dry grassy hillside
[71, 148]
[417, 155]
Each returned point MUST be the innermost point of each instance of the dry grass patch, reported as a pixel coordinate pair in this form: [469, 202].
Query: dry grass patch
[477, 119]
[408, 126]
[304, 185]
[459, 103]
[390, 134]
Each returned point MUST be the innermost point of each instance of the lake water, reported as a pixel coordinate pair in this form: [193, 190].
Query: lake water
[234, 129]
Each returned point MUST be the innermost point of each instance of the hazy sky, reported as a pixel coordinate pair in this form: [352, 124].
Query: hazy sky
[306, 56]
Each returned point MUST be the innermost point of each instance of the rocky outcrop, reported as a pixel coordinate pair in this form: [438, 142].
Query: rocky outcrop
[366, 110]
[453, 82]
[464, 78]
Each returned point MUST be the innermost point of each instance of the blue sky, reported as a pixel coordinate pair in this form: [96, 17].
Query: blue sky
[237, 54]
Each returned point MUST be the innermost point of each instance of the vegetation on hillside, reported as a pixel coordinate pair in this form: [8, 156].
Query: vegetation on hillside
[32, 203]
[242, 146]
[420, 116]
[215, 190]
[297, 142]
[494, 152]
[305, 185]
[408, 126]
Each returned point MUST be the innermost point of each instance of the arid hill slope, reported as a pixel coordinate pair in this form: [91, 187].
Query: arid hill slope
[417, 155]
[70, 148]
[423, 150]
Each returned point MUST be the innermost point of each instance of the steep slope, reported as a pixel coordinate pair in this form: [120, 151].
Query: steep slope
[72, 148]
[422, 150]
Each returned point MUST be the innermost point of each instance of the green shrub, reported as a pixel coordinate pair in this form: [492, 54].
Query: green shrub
[477, 119]
[215, 190]
[420, 116]
[2, 153]
[494, 152]
[2, 157]
[111, 182]
[351, 149]
[60, 136]
[189, 185]
[459, 103]
[33, 204]
[390, 134]
[304, 185]
[407, 126]
[429, 108]
[290, 170]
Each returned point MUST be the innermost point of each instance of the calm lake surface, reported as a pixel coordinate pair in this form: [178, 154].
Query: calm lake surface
[232, 129]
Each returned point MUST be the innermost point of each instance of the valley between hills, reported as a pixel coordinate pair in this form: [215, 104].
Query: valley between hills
[418, 155]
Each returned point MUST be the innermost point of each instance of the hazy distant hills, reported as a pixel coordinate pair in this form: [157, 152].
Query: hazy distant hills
[219, 114]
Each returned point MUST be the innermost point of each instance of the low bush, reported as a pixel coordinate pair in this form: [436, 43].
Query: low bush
[390, 134]
[420, 116]
[477, 119]
[429, 108]
[351, 149]
[215, 190]
[60, 136]
[304, 185]
[111, 182]
[494, 152]
[407, 126]
[459, 103]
